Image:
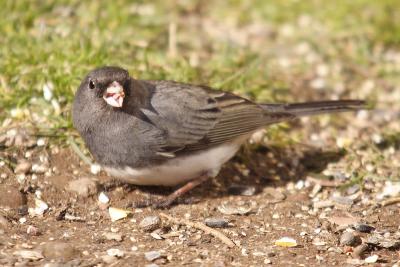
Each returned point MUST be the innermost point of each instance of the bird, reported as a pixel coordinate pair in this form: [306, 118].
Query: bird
[168, 133]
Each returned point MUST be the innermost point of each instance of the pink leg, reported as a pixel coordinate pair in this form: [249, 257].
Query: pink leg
[170, 199]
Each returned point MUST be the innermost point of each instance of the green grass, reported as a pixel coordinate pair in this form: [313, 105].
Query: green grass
[60, 41]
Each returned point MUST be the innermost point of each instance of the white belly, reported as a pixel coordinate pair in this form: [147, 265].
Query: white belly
[179, 170]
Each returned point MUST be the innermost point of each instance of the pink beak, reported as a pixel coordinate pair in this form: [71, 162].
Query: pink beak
[114, 95]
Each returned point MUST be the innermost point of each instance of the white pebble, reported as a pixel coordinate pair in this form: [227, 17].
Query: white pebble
[41, 142]
[103, 198]
[115, 252]
[371, 259]
[95, 168]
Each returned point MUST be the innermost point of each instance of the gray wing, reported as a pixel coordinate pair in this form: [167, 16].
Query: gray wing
[197, 117]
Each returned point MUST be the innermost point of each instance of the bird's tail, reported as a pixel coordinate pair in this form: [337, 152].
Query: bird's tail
[314, 108]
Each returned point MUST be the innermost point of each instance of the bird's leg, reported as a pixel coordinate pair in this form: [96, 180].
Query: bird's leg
[171, 198]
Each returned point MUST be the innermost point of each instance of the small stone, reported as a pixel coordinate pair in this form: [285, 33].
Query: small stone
[60, 251]
[40, 208]
[345, 201]
[273, 195]
[109, 259]
[152, 255]
[390, 243]
[29, 254]
[95, 169]
[364, 228]
[323, 204]
[315, 190]
[84, 187]
[234, 210]
[353, 189]
[117, 214]
[267, 261]
[103, 198]
[113, 236]
[32, 230]
[242, 190]
[349, 239]
[359, 251]
[286, 242]
[318, 242]
[41, 142]
[115, 252]
[155, 235]
[39, 169]
[23, 167]
[391, 189]
[150, 223]
[216, 222]
[344, 221]
[372, 259]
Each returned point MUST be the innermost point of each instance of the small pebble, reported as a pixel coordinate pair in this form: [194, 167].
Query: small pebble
[29, 254]
[117, 214]
[286, 242]
[234, 210]
[115, 252]
[32, 230]
[364, 228]
[353, 189]
[60, 251]
[113, 236]
[23, 167]
[150, 223]
[39, 169]
[323, 204]
[346, 201]
[156, 236]
[95, 169]
[41, 142]
[349, 239]
[84, 187]
[216, 222]
[108, 259]
[103, 198]
[372, 259]
[267, 261]
[152, 255]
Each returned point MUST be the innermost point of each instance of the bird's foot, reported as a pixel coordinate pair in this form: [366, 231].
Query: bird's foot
[167, 202]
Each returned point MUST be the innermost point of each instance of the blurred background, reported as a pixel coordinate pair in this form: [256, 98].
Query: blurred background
[265, 50]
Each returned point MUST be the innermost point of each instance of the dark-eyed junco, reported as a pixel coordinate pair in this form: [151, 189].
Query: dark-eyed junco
[169, 133]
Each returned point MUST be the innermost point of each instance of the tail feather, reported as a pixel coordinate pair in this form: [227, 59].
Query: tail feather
[314, 108]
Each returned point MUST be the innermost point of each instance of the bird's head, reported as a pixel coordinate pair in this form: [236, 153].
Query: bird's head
[108, 83]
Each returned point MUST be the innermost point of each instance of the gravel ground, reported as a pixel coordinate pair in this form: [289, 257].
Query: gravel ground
[291, 206]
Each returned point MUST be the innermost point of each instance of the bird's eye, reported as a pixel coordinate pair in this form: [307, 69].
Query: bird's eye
[91, 84]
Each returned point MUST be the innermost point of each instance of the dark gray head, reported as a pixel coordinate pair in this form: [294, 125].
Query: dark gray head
[103, 88]
[109, 83]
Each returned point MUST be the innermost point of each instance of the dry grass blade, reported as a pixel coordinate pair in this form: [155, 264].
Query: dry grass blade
[202, 227]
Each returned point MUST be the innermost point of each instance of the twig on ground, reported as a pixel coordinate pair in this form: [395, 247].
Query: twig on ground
[202, 227]
[390, 201]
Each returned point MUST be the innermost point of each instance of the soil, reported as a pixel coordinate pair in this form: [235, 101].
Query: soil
[76, 229]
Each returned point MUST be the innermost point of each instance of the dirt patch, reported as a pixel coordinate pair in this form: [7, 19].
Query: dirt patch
[76, 228]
